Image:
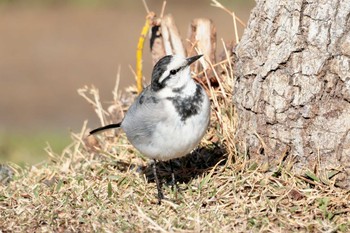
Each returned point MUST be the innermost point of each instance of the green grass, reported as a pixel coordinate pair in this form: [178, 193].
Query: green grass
[29, 148]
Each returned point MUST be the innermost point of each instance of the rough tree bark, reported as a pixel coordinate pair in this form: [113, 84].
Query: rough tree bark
[292, 90]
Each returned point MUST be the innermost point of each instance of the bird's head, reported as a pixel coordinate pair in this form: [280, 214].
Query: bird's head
[172, 71]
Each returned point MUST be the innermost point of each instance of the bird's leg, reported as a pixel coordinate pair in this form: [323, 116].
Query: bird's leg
[159, 187]
[173, 182]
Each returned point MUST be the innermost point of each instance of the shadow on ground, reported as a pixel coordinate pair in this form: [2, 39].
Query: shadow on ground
[200, 161]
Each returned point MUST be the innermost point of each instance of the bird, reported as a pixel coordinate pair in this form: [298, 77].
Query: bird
[169, 117]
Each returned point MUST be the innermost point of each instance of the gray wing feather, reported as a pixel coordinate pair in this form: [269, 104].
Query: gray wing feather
[142, 117]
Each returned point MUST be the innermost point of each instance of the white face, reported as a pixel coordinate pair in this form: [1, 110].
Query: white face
[177, 73]
[172, 72]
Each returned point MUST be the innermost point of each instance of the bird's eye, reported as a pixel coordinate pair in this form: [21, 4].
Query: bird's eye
[173, 72]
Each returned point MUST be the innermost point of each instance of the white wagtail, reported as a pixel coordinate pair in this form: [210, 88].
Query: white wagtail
[171, 115]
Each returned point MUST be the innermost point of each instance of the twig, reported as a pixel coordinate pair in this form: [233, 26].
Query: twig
[163, 10]
[151, 221]
[116, 87]
[215, 3]
[145, 5]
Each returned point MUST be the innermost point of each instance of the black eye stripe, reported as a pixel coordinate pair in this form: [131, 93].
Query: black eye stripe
[166, 79]
[157, 85]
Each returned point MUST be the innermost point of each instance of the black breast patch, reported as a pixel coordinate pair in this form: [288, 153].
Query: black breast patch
[189, 106]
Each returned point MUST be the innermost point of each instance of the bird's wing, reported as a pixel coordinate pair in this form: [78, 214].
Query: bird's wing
[143, 115]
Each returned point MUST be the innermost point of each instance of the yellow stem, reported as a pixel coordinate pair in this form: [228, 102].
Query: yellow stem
[139, 53]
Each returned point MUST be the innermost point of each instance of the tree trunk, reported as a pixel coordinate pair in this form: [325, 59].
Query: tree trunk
[292, 90]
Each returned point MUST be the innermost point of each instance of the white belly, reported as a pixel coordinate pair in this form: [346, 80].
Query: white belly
[174, 138]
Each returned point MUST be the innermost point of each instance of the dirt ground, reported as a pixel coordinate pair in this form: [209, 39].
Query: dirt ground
[47, 53]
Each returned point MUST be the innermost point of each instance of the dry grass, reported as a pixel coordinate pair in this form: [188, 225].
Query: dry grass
[104, 184]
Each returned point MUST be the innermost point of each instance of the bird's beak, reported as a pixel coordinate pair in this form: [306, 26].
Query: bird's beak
[190, 60]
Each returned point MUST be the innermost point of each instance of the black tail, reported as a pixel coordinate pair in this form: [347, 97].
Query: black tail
[111, 126]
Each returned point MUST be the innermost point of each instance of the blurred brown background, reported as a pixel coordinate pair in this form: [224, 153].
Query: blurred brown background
[50, 48]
